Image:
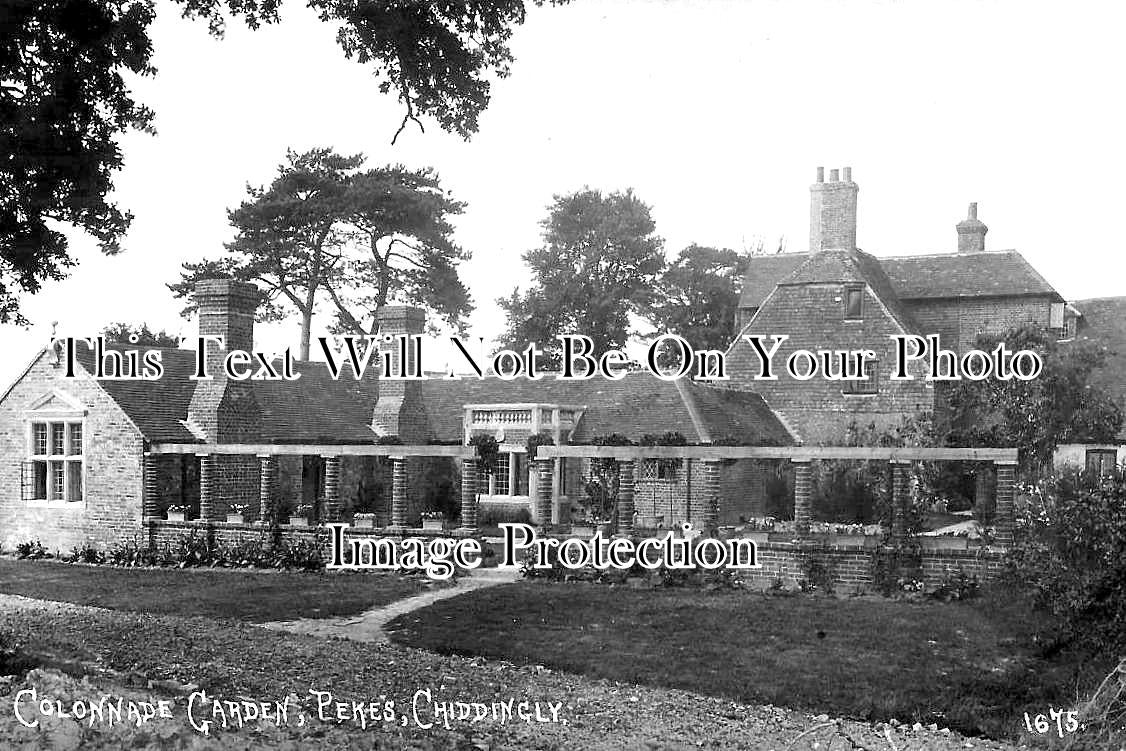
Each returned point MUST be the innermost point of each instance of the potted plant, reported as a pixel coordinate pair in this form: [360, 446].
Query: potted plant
[177, 512]
[300, 515]
[363, 520]
[758, 528]
[433, 520]
[236, 513]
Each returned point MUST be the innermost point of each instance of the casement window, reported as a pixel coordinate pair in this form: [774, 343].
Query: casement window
[1101, 462]
[55, 458]
[853, 303]
[864, 387]
[510, 476]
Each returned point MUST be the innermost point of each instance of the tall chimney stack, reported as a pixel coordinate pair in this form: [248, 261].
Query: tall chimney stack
[225, 409]
[971, 232]
[832, 211]
[400, 410]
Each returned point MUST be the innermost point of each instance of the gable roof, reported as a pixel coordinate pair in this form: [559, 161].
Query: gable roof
[835, 266]
[1104, 322]
[318, 409]
[943, 275]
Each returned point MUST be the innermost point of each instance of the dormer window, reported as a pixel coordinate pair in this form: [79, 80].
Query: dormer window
[853, 303]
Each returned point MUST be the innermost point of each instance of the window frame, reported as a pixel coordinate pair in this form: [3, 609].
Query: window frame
[56, 492]
[849, 290]
[869, 386]
[1101, 457]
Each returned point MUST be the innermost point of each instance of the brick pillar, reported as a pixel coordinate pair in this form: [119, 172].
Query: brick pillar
[399, 500]
[150, 505]
[625, 496]
[208, 492]
[1003, 516]
[803, 486]
[545, 468]
[469, 494]
[332, 489]
[711, 497]
[267, 478]
[900, 494]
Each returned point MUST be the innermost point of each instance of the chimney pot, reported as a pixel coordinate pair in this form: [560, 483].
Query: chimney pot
[846, 174]
[973, 210]
[971, 232]
[820, 174]
[834, 176]
[832, 212]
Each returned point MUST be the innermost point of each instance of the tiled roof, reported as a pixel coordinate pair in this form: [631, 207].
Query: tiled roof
[944, 275]
[317, 409]
[637, 404]
[1104, 322]
[831, 266]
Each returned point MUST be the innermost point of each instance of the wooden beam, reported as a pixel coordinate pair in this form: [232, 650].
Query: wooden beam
[793, 453]
[314, 449]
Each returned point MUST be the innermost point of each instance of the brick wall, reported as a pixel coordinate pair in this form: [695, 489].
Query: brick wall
[813, 317]
[959, 321]
[113, 449]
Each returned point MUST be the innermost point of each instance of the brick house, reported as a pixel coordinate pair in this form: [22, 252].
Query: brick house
[79, 467]
[80, 464]
[836, 296]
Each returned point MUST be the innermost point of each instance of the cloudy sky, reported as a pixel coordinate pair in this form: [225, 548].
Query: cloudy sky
[715, 113]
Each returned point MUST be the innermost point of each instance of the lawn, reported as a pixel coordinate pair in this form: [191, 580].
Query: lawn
[253, 596]
[971, 666]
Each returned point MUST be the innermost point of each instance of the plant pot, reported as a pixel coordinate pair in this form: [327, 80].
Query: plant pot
[757, 536]
[177, 516]
[298, 521]
[434, 524]
[944, 542]
[363, 523]
[582, 530]
[648, 522]
[236, 519]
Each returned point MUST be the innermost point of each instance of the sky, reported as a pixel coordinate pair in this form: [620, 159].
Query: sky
[715, 113]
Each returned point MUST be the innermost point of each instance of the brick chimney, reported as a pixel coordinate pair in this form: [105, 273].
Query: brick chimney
[225, 409]
[400, 410]
[971, 232]
[832, 211]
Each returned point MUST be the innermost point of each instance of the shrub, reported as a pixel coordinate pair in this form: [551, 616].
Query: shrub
[493, 514]
[87, 553]
[1069, 554]
[31, 550]
[958, 586]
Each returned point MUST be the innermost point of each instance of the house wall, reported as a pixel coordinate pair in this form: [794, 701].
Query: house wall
[959, 321]
[813, 317]
[113, 450]
[1075, 454]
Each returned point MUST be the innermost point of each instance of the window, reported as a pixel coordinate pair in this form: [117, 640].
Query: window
[854, 303]
[1101, 462]
[869, 386]
[54, 468]
[498, 480]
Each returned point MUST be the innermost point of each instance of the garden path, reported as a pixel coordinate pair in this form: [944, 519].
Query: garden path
[369, 625]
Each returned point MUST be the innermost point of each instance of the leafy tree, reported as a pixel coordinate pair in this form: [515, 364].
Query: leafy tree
[1060, 406]
[324, 229]
[146, 337]
[400, 218]
[64, 100]
[288, 237]
[697, 297]
[599, 262]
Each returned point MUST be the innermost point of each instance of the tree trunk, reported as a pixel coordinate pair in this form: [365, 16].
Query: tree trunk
[306, 327]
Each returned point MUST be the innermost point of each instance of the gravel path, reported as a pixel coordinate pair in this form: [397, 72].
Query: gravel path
[145, 658]
[369, 626]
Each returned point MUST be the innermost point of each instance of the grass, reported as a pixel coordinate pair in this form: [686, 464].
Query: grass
[971, 666]
[241, 595]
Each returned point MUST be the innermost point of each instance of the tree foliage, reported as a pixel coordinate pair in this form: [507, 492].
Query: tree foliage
[326, 231]
[64, 100]
[145, 337]
[1059, 406]
[697, 297]
[1069, 553]
[598, 264]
